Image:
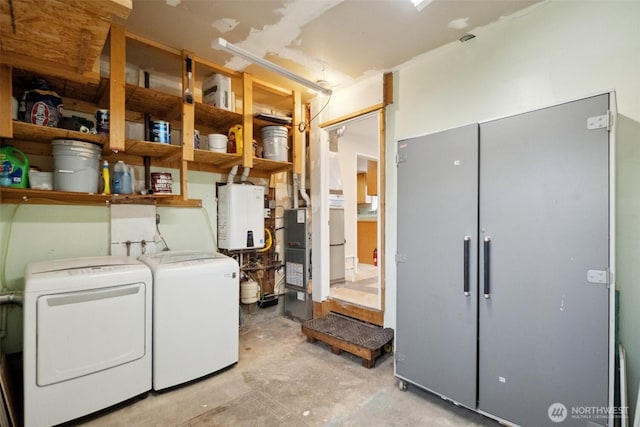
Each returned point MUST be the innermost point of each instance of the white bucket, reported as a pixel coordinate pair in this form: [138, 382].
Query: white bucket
[274, 143]
[76, 165]
[249, 292]
[218, 142]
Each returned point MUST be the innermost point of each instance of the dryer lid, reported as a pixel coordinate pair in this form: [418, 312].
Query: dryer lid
[94, 263]
[177, 257]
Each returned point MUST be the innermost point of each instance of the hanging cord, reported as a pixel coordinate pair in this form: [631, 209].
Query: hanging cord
[166, 247]
[302, 126]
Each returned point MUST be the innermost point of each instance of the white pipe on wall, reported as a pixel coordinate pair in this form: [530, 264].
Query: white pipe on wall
[232, 174]
[245, 174]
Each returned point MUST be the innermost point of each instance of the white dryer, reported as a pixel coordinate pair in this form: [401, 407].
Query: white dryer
[87, 336]
[195, 315]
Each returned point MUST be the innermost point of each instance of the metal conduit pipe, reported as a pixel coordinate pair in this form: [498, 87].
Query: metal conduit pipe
[11, 299]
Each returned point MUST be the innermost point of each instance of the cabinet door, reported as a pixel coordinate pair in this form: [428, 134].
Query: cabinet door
[367, 241]
[436, 330]
[361, 180]
[372, 178]
[544, 201]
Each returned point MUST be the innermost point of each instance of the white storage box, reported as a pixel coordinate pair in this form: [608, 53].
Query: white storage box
[216, 91]
[41, 180]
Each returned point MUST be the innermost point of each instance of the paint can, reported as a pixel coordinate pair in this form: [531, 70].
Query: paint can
[160, 131]
[161, 182]
[76, 165]
[274, 141]
[102, 122]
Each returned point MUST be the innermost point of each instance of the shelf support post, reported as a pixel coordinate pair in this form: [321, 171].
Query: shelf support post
[188, 111]
[117, 88]
[6, 114]
[247, 120]
[184, 179]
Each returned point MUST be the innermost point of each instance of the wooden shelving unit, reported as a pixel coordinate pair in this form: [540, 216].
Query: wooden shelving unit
[46, 197]
[76, 78]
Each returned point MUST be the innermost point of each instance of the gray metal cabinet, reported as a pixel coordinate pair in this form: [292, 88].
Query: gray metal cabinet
[516, 212]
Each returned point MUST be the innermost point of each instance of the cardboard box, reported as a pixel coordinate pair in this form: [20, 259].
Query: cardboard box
[216, 91]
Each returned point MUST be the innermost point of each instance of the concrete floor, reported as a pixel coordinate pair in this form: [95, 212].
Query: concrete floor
[281, 380]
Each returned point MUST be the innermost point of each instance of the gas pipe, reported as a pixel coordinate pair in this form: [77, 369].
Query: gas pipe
[375, 257]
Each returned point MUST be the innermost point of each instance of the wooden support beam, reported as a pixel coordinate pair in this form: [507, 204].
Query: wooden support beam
[6, 113]
[184, 180]
[358, 113]
[117, 88]
[188, 110]
[65, 71]
[382, 185]
[387, 88]
[247, 121]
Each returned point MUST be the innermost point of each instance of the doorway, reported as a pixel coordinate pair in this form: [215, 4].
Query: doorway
[356, 144]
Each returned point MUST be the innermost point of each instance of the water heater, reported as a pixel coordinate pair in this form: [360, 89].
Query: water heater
[240, 216]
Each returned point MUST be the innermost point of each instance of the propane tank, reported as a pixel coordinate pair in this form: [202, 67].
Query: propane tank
[375, 257]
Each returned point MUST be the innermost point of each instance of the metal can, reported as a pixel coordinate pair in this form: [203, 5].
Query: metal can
[102, 122]
[160, 131]
[161, 182]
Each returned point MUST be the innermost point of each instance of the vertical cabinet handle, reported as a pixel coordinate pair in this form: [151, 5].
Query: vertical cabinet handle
[487, 258]
[467, 244]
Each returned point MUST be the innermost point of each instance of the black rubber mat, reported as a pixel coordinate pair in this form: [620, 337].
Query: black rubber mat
[351, 330]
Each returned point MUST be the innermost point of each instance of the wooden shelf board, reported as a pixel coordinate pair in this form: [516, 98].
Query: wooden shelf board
[31, 132]
[65, 88]
[31, 196]
[150, 149]
[260, 123]
[222, 162]
[160, 105]
[271, 166]
[217, 118]
[74, 46]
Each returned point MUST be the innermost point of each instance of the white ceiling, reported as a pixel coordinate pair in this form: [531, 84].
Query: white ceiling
[338, 41]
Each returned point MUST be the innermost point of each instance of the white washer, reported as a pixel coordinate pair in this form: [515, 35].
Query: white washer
[87, 336]
[195, 315]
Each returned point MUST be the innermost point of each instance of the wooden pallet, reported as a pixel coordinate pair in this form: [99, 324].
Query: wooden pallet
[343, 333]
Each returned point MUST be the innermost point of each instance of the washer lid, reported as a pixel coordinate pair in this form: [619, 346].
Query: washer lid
[170, 257]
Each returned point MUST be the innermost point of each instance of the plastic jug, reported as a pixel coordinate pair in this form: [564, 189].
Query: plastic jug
[14, 168]
[235, 139]
[121, 179]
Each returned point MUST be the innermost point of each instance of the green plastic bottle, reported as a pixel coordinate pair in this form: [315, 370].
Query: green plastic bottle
[14, 168]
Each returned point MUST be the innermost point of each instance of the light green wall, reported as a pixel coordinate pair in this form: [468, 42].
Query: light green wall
[41, 232]
[628, 245]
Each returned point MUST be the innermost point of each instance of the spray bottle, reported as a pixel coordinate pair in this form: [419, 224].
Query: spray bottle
[105, 178]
